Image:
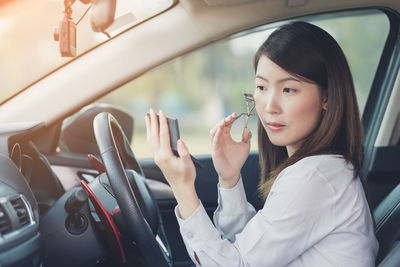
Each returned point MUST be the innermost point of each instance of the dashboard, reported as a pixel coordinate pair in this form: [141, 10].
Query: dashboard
[38, 224]
[20, 238]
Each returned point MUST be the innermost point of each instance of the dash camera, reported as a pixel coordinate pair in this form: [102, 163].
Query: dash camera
[65, 33]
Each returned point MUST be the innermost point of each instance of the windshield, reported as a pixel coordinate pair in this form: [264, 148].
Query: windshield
[28, 50]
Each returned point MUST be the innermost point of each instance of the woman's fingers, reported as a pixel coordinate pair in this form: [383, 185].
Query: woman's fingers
[154, 130]
[184, 153]
[224, 124]
[164, 134]
[148, 134]
[217, 138]
[246, 135]
[229, 122]
[213, 131]
[158, 137]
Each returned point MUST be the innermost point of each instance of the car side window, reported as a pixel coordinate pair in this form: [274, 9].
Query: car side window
[203, 86]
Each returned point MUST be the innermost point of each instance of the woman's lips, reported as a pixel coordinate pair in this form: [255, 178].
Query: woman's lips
[275, 126]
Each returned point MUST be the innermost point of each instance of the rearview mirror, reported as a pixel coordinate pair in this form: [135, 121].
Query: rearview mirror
[102, 14]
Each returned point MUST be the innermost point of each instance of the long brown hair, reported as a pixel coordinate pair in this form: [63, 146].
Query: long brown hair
[311, 54]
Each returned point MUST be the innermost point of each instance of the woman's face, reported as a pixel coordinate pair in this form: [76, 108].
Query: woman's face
[288, 108]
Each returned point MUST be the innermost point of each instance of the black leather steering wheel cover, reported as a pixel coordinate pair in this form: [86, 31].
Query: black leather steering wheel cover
[138, 229]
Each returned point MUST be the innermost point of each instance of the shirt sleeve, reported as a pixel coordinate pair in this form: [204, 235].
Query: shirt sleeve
[233, 211]
[298, 213]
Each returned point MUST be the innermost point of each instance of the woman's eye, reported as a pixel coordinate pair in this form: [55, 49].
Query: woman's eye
[289, 90]
[261, 88]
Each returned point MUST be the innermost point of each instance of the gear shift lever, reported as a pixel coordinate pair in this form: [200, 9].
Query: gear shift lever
[76, 222]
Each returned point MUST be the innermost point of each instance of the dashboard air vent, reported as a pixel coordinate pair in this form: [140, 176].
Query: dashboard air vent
[5, 225]
[20, 209]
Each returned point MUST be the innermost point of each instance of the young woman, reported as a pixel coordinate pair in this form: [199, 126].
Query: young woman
[310, 152]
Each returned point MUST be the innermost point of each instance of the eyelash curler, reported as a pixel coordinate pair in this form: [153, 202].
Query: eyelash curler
[249, 99]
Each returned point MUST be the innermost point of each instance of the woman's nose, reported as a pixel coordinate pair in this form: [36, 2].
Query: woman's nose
[272, 103]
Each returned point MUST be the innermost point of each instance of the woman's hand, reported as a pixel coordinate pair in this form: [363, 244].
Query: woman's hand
[228, 155]
[179, 171]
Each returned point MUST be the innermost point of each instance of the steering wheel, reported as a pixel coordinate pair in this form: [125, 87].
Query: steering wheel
[137, 204]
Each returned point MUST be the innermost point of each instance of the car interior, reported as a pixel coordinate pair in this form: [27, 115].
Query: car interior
[78, 184]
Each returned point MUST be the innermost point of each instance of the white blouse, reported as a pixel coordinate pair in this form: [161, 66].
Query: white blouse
[316, 214]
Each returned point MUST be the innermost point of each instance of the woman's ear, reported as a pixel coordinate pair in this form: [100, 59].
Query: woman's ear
[324, 102]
